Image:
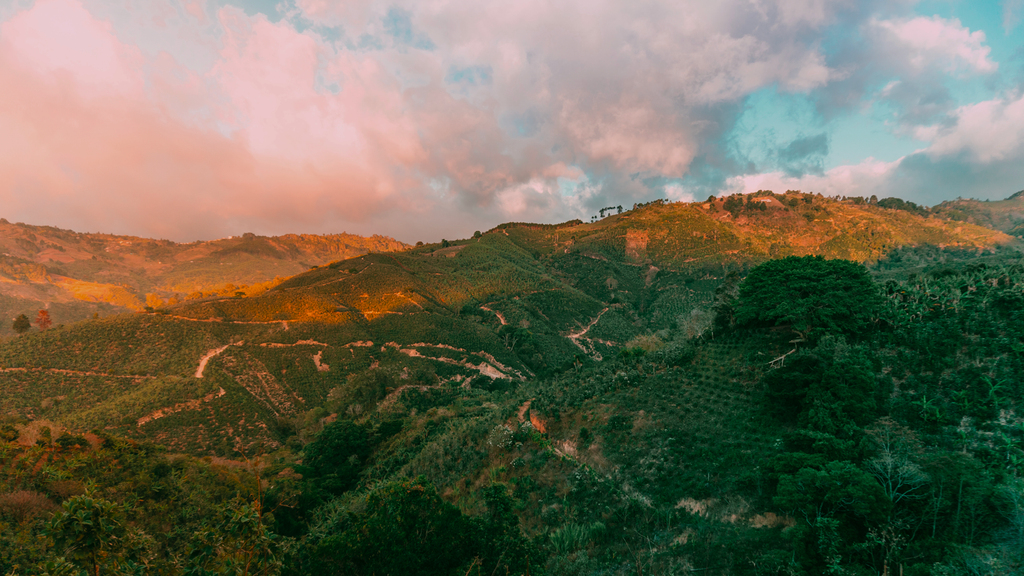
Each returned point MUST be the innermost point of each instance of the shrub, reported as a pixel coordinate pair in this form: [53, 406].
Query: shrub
[646, 342]
[65, 489]
[25, 505]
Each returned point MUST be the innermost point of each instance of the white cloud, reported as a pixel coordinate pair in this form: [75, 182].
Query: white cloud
[935, 41]
[987, 131]
[864, 179]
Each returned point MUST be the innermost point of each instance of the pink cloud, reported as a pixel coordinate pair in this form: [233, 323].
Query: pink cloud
[222, 120]
[196, 9]
[84, 144]
[60, 39]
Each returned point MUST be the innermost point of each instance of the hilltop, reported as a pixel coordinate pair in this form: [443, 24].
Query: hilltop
[76, 275]
[1005, 215]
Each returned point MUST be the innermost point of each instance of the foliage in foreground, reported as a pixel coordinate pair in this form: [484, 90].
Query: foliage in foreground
[887, 442]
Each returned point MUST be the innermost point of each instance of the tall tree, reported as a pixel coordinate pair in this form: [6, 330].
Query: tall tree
[43, 320]
[810, 294]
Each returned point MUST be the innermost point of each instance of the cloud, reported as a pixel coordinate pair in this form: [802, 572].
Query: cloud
[84, 145]
[935, 40]
[805, 155]
[373, 109]
[61, 40]
[985, 132]
[176, 118]
[864, 179]
[1011, 14]
[977, 152]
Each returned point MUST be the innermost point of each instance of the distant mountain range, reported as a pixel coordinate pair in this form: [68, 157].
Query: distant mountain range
[77, 275]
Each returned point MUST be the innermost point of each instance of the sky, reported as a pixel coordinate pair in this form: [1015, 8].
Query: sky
[200, 119]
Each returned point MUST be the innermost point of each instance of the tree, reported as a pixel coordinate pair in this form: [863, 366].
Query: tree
[43, 320]
[21, 324]
[835, 503]
[401, 528]
[337, 455]
[893, 466]
[810, 294]
[92, 529]
[239, 545]
[477, 234]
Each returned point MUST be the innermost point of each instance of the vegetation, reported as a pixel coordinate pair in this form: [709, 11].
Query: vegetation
[77, 275]
[622, 397]
[811, 295]
[21, 324]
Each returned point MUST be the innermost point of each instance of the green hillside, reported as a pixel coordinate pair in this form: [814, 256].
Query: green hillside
[602, 398]
[520, 301]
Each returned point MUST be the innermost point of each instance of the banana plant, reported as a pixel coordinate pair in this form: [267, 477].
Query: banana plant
[928, 410]
[994, 389]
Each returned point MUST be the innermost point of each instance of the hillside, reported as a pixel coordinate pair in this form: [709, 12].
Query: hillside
[219, 372]
[564, 399]
[1005, 215]
[75, 275]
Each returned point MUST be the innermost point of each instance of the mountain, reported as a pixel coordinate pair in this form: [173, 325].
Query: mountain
[215, 373]
[553, 399]
[76, 275]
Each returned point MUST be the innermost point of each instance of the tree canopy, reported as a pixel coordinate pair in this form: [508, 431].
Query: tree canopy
[814, 296]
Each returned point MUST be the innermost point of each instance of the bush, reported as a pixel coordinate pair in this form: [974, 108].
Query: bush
[25, 505]
[646, 342]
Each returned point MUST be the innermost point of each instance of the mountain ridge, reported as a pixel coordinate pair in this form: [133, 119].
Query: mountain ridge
[87, 273]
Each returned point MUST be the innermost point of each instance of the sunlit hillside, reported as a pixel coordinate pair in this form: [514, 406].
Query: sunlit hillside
[76, 275]
[598, 382]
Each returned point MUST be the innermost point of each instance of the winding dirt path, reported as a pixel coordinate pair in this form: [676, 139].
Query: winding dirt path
[500, 316]
[577, 336]
[209, 355]
[320, 366]
[190, 405]
[523, 410]
[299, 343]
[283, 323]
[574, 336]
